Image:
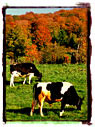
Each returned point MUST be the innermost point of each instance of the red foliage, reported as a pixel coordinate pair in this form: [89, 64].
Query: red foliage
[43, 36]
[27, 16]
[32, 54]
[9, 18]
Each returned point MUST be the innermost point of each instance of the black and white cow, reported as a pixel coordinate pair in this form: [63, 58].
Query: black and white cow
[24, 70]
[54, 92]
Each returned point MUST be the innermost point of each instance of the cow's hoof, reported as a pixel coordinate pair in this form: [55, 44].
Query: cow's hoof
[31, 114]
[42, 115]
[12, 86]
[67, 105]
[61, 113]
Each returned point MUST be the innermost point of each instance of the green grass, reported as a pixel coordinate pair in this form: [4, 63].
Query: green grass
[19, 98]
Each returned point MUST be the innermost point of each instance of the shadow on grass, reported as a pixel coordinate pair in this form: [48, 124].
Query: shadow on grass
[37, 111]
[8, 82]
[16, 82]
[22, 111]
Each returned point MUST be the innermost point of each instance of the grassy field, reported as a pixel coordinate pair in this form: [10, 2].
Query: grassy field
[19, 98]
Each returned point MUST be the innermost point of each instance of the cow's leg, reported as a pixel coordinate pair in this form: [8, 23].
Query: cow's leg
[34, 102]
[12, 80]
[41, 99]
[41, 107]
[62, 107]
[13, 75]
[24, 80]
[30, 76]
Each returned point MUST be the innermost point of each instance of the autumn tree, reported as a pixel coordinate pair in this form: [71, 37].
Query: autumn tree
[32, 53]
[40, 35]
[43, 37]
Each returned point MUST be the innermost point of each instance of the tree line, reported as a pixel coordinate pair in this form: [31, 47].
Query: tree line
[59, 37]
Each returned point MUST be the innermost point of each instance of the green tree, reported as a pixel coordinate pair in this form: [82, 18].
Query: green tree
[62, 38]
[73, 41]
[55, 53]
[14, 42]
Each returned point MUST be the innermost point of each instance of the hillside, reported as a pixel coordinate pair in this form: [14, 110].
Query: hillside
[48, 38]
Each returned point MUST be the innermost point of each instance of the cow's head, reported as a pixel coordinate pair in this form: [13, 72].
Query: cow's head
[80, 103]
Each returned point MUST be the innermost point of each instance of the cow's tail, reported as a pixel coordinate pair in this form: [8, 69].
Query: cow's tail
[11, 68]
[33, 92]
[34, 100]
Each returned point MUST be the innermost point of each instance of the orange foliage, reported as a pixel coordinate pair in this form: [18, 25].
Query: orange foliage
[24, 25]
[9, 18]
[27, 16]
[32, 54]
[43, 36]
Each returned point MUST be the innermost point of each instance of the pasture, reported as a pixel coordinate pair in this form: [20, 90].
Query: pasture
[19, 98]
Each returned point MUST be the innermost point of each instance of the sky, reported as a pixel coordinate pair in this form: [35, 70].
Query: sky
[20, 11]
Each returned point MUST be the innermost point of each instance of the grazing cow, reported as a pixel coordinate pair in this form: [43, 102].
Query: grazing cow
[24, 70]
[54, 92]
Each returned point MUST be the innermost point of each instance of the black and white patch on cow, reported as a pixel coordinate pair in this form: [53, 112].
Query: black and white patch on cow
[54, 92]
[24, 70]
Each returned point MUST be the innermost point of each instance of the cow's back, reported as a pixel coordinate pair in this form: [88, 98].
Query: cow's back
[24, 68]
